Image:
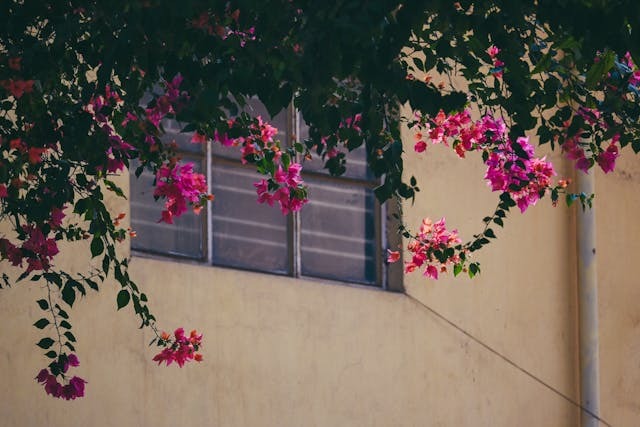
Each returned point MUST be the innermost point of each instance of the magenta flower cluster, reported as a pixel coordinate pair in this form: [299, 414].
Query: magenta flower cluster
[432, 238]
[497, 65]
[70, 391]
[37, 249]
[288, 182]
[180, 185]
[578, 150]
[168, 103]
[180, 349]
[285, 185]
[511, 166]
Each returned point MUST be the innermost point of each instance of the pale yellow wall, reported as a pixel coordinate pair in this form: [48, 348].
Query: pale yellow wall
[618, 240]
[286, 352]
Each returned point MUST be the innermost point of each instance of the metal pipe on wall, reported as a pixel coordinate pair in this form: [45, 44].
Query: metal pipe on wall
[588, 304]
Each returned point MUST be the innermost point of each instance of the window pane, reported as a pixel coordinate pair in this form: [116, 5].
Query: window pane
[246, 234]
[183, 238]
[338, 238]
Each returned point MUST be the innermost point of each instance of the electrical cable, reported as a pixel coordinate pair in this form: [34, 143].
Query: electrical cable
[509, 361]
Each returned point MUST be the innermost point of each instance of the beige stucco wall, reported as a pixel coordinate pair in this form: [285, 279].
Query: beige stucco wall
[618, 240]
[286, 352]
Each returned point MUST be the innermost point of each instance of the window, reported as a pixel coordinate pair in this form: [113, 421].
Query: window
[338, 235]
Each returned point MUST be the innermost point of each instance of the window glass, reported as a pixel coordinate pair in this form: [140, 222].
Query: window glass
[246, 234]
[338, 232]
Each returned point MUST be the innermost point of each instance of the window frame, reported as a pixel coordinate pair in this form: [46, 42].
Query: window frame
[388, 276]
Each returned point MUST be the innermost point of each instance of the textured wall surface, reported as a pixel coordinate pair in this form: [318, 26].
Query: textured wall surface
[286, 352]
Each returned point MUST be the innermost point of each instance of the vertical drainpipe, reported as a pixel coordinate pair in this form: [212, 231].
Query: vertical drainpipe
[588, 304]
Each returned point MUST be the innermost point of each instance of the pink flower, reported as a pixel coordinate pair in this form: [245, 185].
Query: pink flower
[353, 122]
[607, 159]
[262, 188]
[420, 146]
[267, 132]
[11, 252]
[179, 185]
[224, 139]
[431, 240]
[392, 256]
[583, 164]
[181, 349]
[280, 176]
[70, 391]
[3, 191]
[77, 384]
[432, 272]
[35, 155]
[493, 51]
[73, 360]
[293, 178]
[198, 138]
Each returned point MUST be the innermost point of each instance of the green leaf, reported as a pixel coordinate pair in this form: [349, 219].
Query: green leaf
[65, 324]
[42, 323]
[105, 263]
[599, 69]
[92, 284]
[51, 354]
[457, 269]
[543, 64]
[490, 234]
[97, 246]
[113, 187]
[43, 304]
[473, 269]
[45, 343]
[61, 312]
[68, 294]
[123, 298]
[419, 64]
[70, 336]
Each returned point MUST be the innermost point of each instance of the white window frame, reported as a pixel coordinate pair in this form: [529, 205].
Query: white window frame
[388, 277]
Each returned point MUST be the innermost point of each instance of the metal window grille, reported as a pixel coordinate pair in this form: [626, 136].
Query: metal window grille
[338, 235]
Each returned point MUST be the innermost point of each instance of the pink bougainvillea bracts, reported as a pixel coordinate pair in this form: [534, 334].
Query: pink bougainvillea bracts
[511, 165]
[180, 186]
[512, 168]
[180, 349]
[284, 184]
[73, 388]
[497, 65]
[432, 249]
[607, 159]
[37, 249]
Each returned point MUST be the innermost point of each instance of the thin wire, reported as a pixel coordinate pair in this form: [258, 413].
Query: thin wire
[509, 361]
